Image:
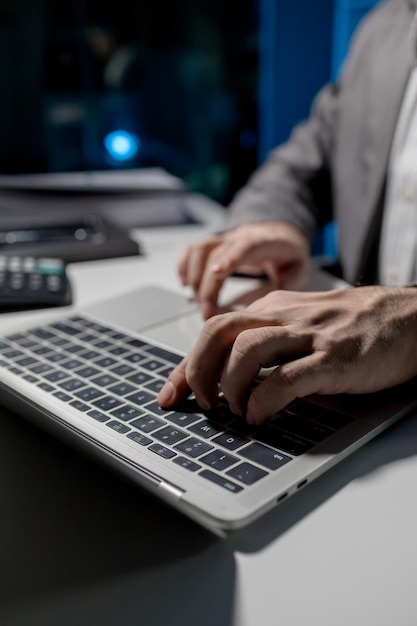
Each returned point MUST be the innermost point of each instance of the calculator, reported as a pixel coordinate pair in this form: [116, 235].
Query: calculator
[28, 282]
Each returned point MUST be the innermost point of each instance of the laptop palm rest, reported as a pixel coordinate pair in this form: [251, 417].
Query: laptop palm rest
[155, 312]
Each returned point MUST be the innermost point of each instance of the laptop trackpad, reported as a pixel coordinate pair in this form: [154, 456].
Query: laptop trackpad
[143, 308]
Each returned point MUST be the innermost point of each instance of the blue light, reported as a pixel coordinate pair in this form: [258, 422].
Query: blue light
[122, 145]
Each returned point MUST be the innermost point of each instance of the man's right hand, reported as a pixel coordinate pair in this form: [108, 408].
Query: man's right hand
[276, 249]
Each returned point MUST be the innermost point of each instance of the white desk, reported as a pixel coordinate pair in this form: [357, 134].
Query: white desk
[81, 547]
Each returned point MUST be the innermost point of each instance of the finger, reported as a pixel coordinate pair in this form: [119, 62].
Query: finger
[175, 388]
[221, 263]
[292, 276]
[206, 360]
[298, 378]
[192, 262]
[182, 266]
[254, 349]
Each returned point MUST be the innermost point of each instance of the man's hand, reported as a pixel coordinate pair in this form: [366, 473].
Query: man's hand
[344, 341]
[276, 249]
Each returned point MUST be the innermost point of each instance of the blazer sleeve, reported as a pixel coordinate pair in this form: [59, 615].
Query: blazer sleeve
[294, 182]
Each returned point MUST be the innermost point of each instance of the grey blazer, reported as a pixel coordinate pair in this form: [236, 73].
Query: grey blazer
[334, 164]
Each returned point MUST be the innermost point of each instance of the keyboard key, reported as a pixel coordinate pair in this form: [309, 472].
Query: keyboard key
[104, 380]
[155, 408]
[80, 406]
[62, 396]
[205, 429]
[13, 354]
[166, 372]
[155, 385]
[73, 348]
[182, 419]
[170, 435]
[102, 343]
[241, 426]
[139, 438]
[135, 343]
[30, 378]
[247, 473]
[162, 451]
[221, 415]
[161, 353]
[135, 357]
[89, 355]
[140, 397]
[87, 372]
[284, 441]
[118, 350]
[121, 389]
[139, 378]
[56, 375]
[304, 409]
[147, 423]
[118, 426]
[221, 481]
[41, 350]
[105, 361]
[267, 457]
[72, 364]
[46, 387]
[72, 384]
[56, 357]
[107, 403]
[219, 460]
[59, 341]
[98, 415]
[126, 413]
[152, 365]
[187, 463]
[41, 368]
[335, 420]
[42, 333]
[26, 361]
[65, 328]
[302, 427]
[193, 447]
[89, 393]
[231, 440]
[122, 370]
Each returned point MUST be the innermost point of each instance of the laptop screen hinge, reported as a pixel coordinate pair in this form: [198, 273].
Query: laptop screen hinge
[171, 490]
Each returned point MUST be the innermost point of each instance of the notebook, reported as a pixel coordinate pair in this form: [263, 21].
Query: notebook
[91, 376]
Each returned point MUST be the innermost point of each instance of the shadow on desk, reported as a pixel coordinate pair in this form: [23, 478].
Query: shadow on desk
[396, 443]
[80, 546]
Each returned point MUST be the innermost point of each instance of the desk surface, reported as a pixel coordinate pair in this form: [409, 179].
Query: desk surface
[80, 546]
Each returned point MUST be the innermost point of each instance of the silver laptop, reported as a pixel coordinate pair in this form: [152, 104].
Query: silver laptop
[91, 376]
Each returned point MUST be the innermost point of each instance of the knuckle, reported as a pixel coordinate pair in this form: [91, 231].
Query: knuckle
[215, 327]
[221, 327]
[288, 375]
[246, 342]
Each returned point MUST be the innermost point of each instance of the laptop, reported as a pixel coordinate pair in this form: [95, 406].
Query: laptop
[91, 376]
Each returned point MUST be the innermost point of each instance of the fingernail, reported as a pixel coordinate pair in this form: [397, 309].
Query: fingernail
[167, 393]
[219, 268]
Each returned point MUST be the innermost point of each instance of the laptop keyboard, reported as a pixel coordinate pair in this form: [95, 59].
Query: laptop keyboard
[113, 378]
